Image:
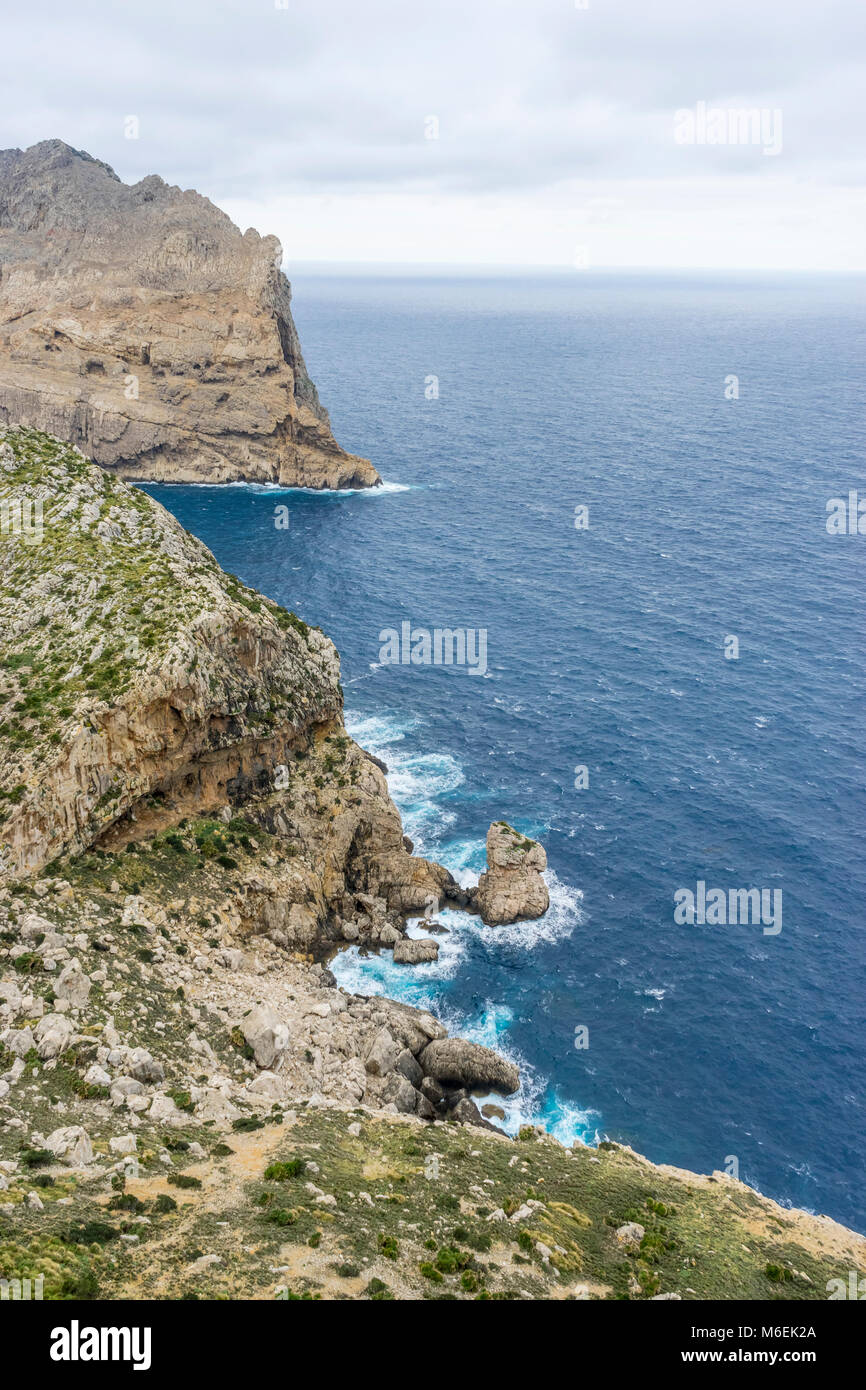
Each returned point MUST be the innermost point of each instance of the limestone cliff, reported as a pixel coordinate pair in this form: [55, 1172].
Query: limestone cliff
[140, 684]
[187, 831]
[139, 324]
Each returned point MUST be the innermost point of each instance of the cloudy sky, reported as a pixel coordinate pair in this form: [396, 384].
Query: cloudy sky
[525, 132]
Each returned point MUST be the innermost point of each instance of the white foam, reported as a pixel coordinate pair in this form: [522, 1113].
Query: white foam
[557, 924]
[384, 489]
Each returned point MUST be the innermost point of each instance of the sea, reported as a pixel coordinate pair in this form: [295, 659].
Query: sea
[637, 494]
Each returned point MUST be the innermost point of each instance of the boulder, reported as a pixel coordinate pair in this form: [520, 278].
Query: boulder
[269, 1085]
[401, 1093]
[71, 1145]
[432, 1091]
[123, 1144]
[266, 1035]
[163, 1111]
[456, 1062]
[213, 1105]
[413, 1028]
[382, 1056]
[407, 1066]
[630, 1235]
[144, 1067]
[73, 985]
[415, 951]
[53, 1035]
[97, 1076]
[18, 1041]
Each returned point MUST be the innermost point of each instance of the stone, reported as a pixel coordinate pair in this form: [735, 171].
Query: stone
[18, 1041]
[53, 1035]
[266, 1035]
[163, 1111]
[456, 1062]
[423, 1109]
[71, 1145]
[630, 1235]
[268, 1084]
[213, 1106]
[409, 1067]
[492, 1112]
[123, 1144]
[73, 985]
[400, 1092]
[382, 1056]
[415, 951]
[433, 1091]
[144, 1067]
[97, 1076]
[512, 888]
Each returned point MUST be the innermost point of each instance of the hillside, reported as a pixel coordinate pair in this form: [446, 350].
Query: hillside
[189, 1106]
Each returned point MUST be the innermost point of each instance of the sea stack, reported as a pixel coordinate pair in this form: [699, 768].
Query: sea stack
[512, 888]
[138, 323]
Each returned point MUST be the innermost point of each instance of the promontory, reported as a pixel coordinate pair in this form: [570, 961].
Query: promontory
[138, 323]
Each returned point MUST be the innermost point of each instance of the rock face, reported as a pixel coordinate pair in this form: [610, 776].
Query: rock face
[145, 685]
[140, 324]
[512, 887]
[187, 734]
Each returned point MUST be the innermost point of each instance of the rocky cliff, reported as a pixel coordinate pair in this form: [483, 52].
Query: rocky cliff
[189, 1106]
[140, 324]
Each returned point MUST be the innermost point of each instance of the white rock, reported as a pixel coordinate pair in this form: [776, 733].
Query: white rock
[97, 1076]
[73, 985]
[268, 1084]
[123, 1144]
[53, 1035]
[630, 1235]
[71, 1145]
[18, 1041]
[266, 1035]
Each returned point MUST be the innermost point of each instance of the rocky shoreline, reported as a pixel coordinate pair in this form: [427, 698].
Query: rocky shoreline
[234, 712]
[186, 832]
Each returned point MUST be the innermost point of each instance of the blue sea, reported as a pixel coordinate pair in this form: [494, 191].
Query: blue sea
[607, 648]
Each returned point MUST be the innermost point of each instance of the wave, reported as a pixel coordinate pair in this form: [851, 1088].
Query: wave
[418, 782]
[537, 1102]
[385, 489]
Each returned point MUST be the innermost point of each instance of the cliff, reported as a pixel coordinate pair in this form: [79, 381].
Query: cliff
[139, 324]
[189, 1106]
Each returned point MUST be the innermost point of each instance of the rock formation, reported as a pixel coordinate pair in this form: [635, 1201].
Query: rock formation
[512, 887]
[148, 698]
[187, 832]
[140, 324]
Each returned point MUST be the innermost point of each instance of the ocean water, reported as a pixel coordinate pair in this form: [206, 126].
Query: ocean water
[606, 648]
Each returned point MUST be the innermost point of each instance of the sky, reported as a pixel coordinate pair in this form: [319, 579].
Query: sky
[560, 133]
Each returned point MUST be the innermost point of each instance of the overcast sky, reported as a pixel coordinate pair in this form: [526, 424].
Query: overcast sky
[558, 139]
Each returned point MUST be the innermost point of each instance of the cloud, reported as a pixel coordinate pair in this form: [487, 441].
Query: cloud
[330, 99]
